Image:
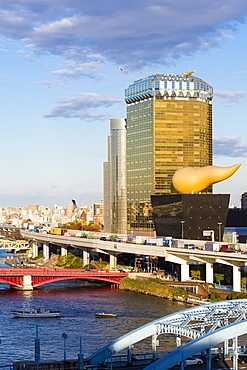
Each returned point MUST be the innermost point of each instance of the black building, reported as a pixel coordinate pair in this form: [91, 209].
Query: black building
[237, 217]
[186, 216]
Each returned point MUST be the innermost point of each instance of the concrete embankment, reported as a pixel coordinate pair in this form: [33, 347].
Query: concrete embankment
[155, 287]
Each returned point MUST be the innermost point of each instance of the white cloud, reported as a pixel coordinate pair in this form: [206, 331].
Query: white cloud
[49, 83]
[83, 106]
[230, 97]
[229, 147]
[131, 34]
[64, 73]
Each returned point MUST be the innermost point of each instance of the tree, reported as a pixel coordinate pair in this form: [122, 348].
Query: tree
[196, 274]
[218, 278]
[243, 283]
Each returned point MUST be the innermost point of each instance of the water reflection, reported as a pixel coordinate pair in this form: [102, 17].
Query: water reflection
[78, 304]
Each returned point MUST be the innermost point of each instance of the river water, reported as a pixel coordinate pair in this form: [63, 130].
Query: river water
[78, 302]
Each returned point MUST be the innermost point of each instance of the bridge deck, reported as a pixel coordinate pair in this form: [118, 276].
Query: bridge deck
[40, 276]
[60, 272]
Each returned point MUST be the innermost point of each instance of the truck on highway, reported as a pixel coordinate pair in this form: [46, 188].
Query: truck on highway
[154, 241]
[212, 247]
[136, 239]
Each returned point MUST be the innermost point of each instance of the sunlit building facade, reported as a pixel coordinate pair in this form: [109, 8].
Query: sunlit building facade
[169, 126]
[118, 200]
[115, 216]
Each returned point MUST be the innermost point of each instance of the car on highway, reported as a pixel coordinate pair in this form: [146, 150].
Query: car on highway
[193, 361]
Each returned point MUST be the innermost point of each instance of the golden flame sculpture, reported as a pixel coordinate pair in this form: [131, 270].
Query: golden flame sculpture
[193, 180]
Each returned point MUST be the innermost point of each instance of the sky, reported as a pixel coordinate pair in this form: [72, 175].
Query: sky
[64, 66]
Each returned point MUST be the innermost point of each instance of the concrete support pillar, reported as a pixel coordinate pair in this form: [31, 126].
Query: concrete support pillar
[178, 341]
[34, 246]
[113, 261]
[209, 273]
[235, 353]
[130, 354]
[86, 258]
[27, 282]
[181, 365]
[185, 271]
[154, 346]
[46, 251]
[64, 251]
[236, 278]
[208, 359]
[226, 348]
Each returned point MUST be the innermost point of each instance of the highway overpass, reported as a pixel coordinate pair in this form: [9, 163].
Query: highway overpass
[181, 256]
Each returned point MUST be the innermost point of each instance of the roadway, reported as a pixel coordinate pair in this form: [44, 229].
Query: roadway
[226, 364]
[139, 249]
[177, 255]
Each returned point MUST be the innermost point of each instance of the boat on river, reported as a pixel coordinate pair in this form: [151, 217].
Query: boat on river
[107, 315]
[36, 314]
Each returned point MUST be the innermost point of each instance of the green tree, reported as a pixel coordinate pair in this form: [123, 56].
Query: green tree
[218, 278]
[196, 274]
[243, 283]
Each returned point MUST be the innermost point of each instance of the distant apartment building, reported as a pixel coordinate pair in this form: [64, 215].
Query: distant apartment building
[42, 215]
[244, 201]
[69, 211]
[57, 213]
[98, 211]
[169, 126]
[237, 217]
[33, 208]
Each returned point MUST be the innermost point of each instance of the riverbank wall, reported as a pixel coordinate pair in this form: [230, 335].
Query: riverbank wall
[157, 288]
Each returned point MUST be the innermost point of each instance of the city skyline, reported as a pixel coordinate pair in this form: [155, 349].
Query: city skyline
[64, 68]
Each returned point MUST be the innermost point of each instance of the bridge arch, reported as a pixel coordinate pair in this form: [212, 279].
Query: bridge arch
[15, 283]
[211, 318]
[29, 278]
[198, 345]
[39, 282]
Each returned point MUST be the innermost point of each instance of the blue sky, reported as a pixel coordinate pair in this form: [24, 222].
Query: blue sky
[60, 86]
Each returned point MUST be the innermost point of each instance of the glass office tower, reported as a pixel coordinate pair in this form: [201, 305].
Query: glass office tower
[115, 202]
[118, 204]
[169, 126]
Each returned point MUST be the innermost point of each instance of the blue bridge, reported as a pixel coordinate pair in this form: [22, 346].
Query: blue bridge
[201, 328]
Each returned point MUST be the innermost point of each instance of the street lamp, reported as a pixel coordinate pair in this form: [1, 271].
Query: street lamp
[37, 348]
[80, 357]
[64, 336]
[150, 222]
[219, 223]
[182, 225]
[135, 264]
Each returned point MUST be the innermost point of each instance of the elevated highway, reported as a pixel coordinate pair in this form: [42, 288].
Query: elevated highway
[181, 256]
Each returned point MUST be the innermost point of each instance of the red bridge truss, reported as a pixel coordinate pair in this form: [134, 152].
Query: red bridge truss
[39, 276]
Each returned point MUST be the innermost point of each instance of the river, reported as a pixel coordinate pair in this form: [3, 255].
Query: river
[78, 302]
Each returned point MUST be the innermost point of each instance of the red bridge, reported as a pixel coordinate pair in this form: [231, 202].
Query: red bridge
[29, 278]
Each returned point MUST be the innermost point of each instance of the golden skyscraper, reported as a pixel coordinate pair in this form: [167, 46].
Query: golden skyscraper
[169, 126]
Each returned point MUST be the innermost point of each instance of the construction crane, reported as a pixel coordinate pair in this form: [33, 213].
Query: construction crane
[74, 203]
[188, 73]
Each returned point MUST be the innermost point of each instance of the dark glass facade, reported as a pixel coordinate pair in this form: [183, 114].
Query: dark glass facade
[186, 216]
